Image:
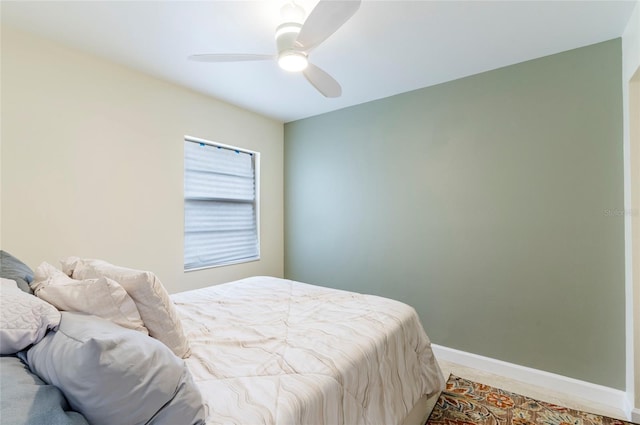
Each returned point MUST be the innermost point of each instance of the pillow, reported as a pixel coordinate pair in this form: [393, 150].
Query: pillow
[102, 297]
[26, 399]
[156, 308]
[14, 269]
[114, 375]
[24, 319]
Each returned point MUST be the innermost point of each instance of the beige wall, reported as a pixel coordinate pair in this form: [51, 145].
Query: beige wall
[631, 100]
[634, 124]
[92, 163]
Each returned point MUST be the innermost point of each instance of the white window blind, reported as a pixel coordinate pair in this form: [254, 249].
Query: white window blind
[220, 205]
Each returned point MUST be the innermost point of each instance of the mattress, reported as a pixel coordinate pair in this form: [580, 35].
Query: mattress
[275, 351]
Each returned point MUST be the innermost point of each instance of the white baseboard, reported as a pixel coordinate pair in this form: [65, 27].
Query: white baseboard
[585, 390]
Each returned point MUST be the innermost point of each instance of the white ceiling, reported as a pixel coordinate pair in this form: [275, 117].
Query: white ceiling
[388, 47]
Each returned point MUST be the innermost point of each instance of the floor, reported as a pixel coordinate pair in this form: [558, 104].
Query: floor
[539, 393]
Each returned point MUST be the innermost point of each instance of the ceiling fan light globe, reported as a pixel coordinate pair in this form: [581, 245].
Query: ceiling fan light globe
[292, 61]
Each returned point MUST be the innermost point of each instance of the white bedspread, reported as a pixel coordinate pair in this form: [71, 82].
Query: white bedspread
[274, 351]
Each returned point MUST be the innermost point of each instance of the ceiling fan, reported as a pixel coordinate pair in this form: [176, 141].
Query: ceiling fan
[295, 40]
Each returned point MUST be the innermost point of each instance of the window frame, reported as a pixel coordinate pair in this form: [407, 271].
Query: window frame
[256, 181]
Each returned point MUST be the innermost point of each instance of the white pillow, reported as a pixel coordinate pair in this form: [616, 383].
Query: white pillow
[152, 299]
[24, 319]
[101, 297]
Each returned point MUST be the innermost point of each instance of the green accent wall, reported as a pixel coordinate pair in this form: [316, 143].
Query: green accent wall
[492, 204]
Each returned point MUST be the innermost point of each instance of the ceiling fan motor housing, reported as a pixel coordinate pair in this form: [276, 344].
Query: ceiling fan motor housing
[286, 35]
[290, 58]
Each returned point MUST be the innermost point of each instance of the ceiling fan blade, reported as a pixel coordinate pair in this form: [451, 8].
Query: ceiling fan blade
[325, 19]
[223, 57]
[322, 81]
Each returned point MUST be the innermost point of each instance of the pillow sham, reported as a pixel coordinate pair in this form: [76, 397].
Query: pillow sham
[102, 297]
[14, 269]
[26, 399]
[152, 299]
[24, 319]
[118, 376]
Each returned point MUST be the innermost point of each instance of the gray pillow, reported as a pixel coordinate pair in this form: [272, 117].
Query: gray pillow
[26, 400]
[14, 269]
[114, 375]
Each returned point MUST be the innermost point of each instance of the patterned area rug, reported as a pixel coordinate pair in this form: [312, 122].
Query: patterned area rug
[470, 403]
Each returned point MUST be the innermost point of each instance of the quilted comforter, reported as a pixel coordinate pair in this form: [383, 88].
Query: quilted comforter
[274, 351]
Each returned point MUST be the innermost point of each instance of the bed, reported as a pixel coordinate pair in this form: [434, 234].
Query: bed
[289, 352]
[260, 350]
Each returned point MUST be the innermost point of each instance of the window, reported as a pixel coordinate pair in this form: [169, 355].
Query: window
[221, 190]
